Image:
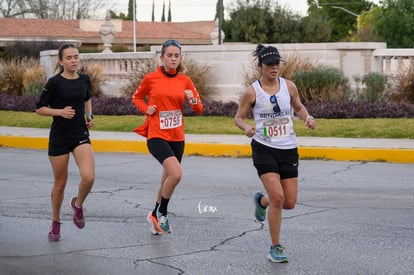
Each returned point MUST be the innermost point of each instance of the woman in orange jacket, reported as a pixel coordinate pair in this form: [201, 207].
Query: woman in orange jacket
[161, 96]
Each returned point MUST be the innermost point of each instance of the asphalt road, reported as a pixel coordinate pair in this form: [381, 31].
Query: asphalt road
[351, 218]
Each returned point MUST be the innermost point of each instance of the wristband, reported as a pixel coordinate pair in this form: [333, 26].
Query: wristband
[309, 117]
[90, 115]
[193, 101]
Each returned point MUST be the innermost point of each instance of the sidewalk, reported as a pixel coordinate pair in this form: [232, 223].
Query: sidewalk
[343, 149]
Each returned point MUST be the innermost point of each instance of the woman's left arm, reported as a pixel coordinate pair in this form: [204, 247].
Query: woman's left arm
[89, 114]
[193, 98]
[298, 106]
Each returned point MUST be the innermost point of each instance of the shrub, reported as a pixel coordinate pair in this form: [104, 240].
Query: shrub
[360, 109]
[135, 78]
[201, 75]
[31, 49]
[404, 87]
[33, 80]
[95, 73]
[124, 106]
[33, 88]
[5, 54]
[11, 77]
[321, 84]
[27, 77]
[18, 103]
[293, 63]
[114, 106]
[289, 65]
[214, 108]
[375, 86]
[118, 48]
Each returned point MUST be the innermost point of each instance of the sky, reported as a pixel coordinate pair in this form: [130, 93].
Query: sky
[196, 10]
[192, 10]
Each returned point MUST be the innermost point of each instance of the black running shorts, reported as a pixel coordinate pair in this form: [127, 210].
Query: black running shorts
[63, 147]
[271, 160]
[162, 149]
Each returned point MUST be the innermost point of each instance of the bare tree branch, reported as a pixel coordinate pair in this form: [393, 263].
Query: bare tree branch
[53, 9]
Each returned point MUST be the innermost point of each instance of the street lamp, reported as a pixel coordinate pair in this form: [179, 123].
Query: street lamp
[352, 13]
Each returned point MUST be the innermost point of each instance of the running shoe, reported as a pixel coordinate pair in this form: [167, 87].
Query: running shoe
[277, 255]
[54, 233]
[155, 228]
[78, 218]
[163, 221]
[259, 212]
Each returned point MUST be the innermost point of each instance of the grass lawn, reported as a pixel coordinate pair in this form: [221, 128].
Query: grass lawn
[350, 128]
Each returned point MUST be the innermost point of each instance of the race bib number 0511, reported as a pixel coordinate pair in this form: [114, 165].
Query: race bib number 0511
[171, 119]
[274, 129]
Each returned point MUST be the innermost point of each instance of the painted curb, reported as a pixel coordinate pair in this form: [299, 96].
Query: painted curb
[227, 150]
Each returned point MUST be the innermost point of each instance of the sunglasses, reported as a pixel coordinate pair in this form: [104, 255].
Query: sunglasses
[273, 63]
[273, 100]
[171, 42]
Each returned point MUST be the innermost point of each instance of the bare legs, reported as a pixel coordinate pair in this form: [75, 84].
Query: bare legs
[282, 194]
[84, 159]
[171, 176]
[60, 173]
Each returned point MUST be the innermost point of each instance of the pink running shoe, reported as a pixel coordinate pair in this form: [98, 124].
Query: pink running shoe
[155, 228]
[78, 218]
[54, 233]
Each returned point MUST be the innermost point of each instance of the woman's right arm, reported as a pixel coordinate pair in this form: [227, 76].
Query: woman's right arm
[66, 112]
[139, 96]
[245, 105]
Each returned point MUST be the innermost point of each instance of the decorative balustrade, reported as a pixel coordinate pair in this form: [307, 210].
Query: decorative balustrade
[116, 66]
[230, 62]
[395, 61]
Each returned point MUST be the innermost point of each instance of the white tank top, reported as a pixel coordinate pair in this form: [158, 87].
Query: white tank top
[274, 129]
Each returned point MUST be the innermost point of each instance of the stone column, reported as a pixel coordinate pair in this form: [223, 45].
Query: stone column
[107, 33]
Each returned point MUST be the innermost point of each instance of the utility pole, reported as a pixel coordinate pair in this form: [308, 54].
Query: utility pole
[220, 15]
[134, 16]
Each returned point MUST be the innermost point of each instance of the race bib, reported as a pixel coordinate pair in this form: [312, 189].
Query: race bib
[171, 119]
[274, 129]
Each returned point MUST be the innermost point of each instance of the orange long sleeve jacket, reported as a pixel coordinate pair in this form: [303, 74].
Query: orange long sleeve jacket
[167, 93]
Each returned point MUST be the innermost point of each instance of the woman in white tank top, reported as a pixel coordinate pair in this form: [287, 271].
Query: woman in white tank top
[273, 100]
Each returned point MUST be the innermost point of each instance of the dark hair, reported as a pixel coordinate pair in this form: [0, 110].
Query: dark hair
[256, 52]
[267, 55]
[60, 55]
[64, 47]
